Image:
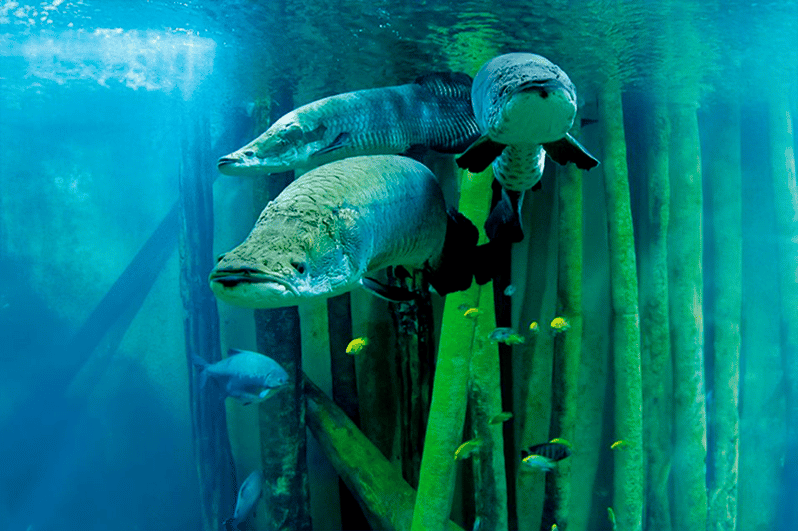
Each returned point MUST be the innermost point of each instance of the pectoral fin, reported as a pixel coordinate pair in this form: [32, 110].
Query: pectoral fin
[568, 149]
[456, 268]
[389, 293]
[340, 141]
[504, 221]
[480, 154]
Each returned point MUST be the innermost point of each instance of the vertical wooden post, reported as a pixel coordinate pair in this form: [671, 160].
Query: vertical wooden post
[282, 419]
[201, 320]
[628, 477]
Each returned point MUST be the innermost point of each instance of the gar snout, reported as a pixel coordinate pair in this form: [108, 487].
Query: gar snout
[233, 275]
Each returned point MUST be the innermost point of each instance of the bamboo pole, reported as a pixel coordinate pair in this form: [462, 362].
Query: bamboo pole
[686, 317]
[568, 346]
[447, 411]
[485, 399]
[386, 498]
[628, 471]
[657, 366]
[723, 173]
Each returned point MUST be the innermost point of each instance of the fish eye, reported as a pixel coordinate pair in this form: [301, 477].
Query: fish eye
[219, 257]
[300, 267]
[249, 153]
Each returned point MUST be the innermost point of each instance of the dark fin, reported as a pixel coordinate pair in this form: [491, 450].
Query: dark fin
[538, 186]
[245, 403]
[339, 142]
[504, 221]
[455, 271]
[241, 526]
[228, 524]
[524, 454]
[587, 121]
[416, 152]
[389, 293]
[487, 264]
[480, 154]
[568, 149]
[447, 84]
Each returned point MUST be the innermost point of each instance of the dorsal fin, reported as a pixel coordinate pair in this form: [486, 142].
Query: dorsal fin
[447, 84]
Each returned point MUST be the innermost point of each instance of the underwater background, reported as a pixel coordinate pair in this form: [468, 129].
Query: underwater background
[674, 264]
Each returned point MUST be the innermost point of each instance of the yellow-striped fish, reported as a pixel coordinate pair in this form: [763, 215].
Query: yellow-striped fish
[356, 345]
[559, 324]
[465, 450]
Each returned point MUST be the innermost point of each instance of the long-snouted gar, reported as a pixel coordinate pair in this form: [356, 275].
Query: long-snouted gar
[524, 105]
[433, 112]
[337, 223]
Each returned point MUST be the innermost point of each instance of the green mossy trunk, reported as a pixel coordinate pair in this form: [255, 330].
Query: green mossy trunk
[657, 363]
[447, 411]
[568, 346]
[686, 319]
[723, 173]
[490, 483]
[627, 498]
[386, 498]
[536, 259]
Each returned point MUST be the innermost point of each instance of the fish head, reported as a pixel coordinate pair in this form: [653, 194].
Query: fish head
[286, 260]
[287, 145]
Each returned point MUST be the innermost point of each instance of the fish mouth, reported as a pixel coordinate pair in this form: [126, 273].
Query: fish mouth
[542, 86]
[232, 277]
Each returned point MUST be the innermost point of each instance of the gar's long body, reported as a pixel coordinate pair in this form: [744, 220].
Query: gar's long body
[433, 112]
[332, 226]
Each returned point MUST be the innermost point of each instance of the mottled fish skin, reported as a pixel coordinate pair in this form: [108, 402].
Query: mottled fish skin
[332, 226]
[248, 496]
[433, 112]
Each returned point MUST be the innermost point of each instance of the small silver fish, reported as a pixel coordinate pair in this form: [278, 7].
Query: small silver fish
[248, 495]
[244, 375]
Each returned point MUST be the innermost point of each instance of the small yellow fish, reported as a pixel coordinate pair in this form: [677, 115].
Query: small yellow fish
[554, 527]
[465, 450]
[619, 444]
[356, 345]
[611, 517]
[559, 324]
[504, 416]
[533, 327]
[471, 313]
[537, 462]
[558, 440]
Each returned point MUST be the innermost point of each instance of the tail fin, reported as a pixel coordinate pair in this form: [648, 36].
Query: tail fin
[200, 364]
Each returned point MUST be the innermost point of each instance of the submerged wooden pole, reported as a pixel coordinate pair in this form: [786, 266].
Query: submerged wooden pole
[450, 386]
[386, 498]
[568, 346]
[628, 476]
[657, 363]
[282, 419]
[686, 317]
[201, 322]
[485, 398]
[723, 171]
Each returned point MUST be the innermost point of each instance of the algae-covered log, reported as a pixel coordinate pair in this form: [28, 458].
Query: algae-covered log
[628, 475]
[782, 148]
[568, 346]
[657, 364]
[201, 323]
[447, 411]
[490, 485]
[686, 318]
[385, 497]
[723, 173]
